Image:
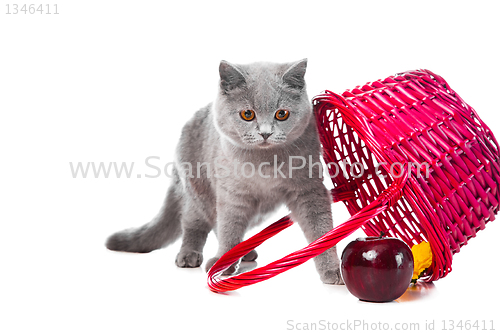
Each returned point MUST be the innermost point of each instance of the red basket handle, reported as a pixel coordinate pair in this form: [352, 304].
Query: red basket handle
[385, 200]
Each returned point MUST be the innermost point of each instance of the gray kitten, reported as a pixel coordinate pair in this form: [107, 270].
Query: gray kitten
[261, 117]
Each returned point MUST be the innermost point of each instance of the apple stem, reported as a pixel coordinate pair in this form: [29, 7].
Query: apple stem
[382, 234]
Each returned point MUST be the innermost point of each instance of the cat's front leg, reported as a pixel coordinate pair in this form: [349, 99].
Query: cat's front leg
[234, 211]
[311, 209]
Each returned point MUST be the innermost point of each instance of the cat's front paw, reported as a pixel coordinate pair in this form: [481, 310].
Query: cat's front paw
[332, 277]
[250, 256]
[230, 270]
[189, 259]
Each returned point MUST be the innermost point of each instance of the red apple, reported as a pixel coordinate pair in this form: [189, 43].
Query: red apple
[377, 269]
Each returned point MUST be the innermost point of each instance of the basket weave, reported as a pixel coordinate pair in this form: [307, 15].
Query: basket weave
[419, 165]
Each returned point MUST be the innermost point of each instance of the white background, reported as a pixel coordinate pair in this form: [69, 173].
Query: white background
[114, 81]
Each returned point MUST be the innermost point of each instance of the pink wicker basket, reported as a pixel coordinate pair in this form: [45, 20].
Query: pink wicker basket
[423, 167]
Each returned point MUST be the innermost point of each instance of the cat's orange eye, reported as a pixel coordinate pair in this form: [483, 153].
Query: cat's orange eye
[247, 115]
[282, 114]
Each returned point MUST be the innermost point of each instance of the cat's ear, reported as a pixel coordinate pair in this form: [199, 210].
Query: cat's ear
[230, 76]
[294, 75]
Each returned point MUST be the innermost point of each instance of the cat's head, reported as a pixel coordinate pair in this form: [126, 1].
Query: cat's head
[262, 105]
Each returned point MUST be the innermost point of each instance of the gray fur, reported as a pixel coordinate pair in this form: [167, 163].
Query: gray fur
[232, 204]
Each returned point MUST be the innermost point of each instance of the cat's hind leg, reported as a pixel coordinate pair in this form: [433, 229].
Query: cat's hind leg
[194, 236]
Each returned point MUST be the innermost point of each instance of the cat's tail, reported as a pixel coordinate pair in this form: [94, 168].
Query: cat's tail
[160, 232]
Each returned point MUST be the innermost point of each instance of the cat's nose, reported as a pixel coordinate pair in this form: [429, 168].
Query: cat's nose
[265, 135]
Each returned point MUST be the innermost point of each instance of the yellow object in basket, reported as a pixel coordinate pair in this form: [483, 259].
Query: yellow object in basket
[422, 259]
